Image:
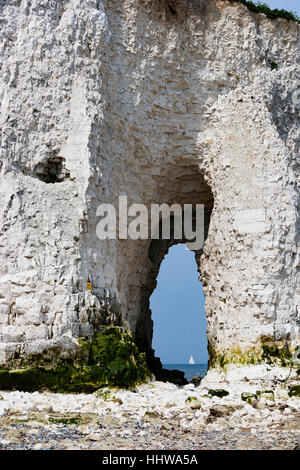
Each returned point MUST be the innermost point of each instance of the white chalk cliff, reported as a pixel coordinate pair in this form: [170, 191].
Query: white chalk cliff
[192, 105]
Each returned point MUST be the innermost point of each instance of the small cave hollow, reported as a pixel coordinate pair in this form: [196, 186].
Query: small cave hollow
[51, 171]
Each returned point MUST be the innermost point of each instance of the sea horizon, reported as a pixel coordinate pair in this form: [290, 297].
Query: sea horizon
[190, 370]
[184, 364]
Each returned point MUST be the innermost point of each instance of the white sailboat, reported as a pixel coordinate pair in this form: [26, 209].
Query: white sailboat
[191, 361]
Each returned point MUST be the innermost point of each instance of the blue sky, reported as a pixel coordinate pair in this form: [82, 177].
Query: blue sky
[291, 5]
[178, 302]
[177, 306]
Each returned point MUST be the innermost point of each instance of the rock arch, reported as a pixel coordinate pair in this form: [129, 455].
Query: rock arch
[189, 189]
[134, 102]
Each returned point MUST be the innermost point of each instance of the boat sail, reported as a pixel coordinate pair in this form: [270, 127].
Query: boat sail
[191, 361]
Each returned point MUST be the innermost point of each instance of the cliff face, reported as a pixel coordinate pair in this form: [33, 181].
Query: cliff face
[107, 98]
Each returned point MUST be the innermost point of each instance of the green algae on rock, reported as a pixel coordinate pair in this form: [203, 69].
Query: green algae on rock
[250, 398]
[265, 395]
[107, 394]
[109, 359]
[268, 351]
[294, 391]
[218, 393]
[193, 403]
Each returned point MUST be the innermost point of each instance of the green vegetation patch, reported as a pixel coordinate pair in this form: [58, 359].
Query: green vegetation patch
[273, 65]
[174, 7]
[259, 7]
[110, 359]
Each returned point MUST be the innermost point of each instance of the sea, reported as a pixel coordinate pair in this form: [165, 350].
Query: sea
[190, 370]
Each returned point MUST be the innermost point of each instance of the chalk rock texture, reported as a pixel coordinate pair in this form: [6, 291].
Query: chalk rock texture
[188, 105]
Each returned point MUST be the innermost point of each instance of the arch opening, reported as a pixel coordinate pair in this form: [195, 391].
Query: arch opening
[188, 187]
[178, 314]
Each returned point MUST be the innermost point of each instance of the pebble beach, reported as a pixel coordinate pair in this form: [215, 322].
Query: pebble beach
[154, 416]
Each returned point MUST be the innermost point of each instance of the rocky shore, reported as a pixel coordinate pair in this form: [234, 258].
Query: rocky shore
[153, 416]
